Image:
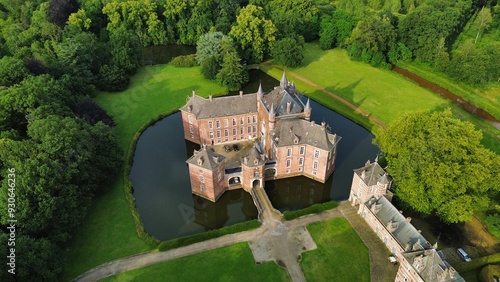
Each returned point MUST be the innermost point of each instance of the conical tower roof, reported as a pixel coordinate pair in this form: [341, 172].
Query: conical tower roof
[283, 81]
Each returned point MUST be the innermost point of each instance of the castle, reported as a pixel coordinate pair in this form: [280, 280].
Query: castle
[418, 260]
[248, 139]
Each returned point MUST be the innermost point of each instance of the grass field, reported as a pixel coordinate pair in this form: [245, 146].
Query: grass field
[231, 263]
[383, 93]
[341, 255]
[108, 231]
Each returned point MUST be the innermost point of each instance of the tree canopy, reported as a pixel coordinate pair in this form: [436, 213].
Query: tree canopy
[439, 165]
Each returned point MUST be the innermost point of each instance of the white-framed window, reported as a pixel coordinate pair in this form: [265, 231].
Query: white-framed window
[249, 130]
[211, 135]
[210, 125]
[234, 122]
[217, 123]
[191, 128]
[226, 123]
[249, 119]
[200, 171]
[202, 179]
[254, 128]
[315, 165]
[302, 150]
[314, 173]
[300, 168]
[316, 154]
[242, 130]
[301, 161]
[242, 121]
[234, 131]
[226, 132]
[288, 152]
[288, 163]
[202, 188]
[218, 134]
[254, 119]
[190, 119]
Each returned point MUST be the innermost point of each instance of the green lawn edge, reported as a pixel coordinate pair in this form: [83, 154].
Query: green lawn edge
[230, 263]
[316, 208]
[338, 245]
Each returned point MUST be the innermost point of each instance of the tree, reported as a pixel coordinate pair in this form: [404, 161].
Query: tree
[125, 49]
[12, 71]
[336, 29]
[210, 67]
[295, 17]
[210, 45]
[112, 78]
[59, 11]
[92, 113]
[289, 51]
[439, 165]
[484, 20]
[254, 33]
[232, 73]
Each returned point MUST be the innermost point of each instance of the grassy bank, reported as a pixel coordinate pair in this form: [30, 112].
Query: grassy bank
[109, 230]
[340, 256]
[484, 97]
[231, 263]
[316, 208]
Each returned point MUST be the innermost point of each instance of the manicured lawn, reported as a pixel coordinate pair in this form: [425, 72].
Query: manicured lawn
[109, 231]
[382, 93]
[231, 263]
[341, 255]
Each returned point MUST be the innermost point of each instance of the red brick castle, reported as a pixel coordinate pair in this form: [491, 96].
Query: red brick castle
[251, 138]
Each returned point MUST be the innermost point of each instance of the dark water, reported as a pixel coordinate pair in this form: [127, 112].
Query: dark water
[163, 192]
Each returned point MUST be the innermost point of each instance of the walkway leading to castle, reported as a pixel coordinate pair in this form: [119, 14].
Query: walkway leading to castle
[335, 96]
[284, 237]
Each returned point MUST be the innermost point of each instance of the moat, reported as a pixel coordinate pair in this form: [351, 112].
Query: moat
[162, 188]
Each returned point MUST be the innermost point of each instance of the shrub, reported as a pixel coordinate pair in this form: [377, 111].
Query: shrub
[492, 222]
[316, 208]
[188, 240]
[184, 61]
[478, 263]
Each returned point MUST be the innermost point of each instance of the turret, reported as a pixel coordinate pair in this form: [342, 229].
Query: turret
[283, 81]
[272, 117]
[307, 110]
[260, 93]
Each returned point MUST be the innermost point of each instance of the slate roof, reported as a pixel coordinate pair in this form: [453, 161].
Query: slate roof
[206, 158]
[405, 234]
[431, 267]
[225, 106]
[254, 157]
[298, 131]
[373, 173]
[278, 99]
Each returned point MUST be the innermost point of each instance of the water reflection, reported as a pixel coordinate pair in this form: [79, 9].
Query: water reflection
[163, 192]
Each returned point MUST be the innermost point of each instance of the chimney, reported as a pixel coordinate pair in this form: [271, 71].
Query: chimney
[241, 93]
[288, 107]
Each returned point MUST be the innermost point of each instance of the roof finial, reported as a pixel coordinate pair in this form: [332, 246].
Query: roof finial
[284, 81]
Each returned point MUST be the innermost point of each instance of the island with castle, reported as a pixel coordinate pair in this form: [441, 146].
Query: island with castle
[249, 139]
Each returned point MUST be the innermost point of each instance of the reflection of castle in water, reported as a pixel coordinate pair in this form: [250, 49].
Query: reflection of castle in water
[212, 215]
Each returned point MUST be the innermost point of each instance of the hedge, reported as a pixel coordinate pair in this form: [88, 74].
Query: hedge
[188, 240]
[478, 263]
[316, 208]
[184, 61]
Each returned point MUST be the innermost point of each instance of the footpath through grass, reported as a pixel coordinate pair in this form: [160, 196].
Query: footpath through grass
[340, 256]
[231, 263]
[109, 231]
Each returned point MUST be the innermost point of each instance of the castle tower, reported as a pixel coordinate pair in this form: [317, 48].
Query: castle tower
[252, 167]
[369, 181]
[283, 81]
[206, 172]
[307, 110]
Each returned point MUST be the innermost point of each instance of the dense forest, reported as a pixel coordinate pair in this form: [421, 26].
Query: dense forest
[57, 147]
